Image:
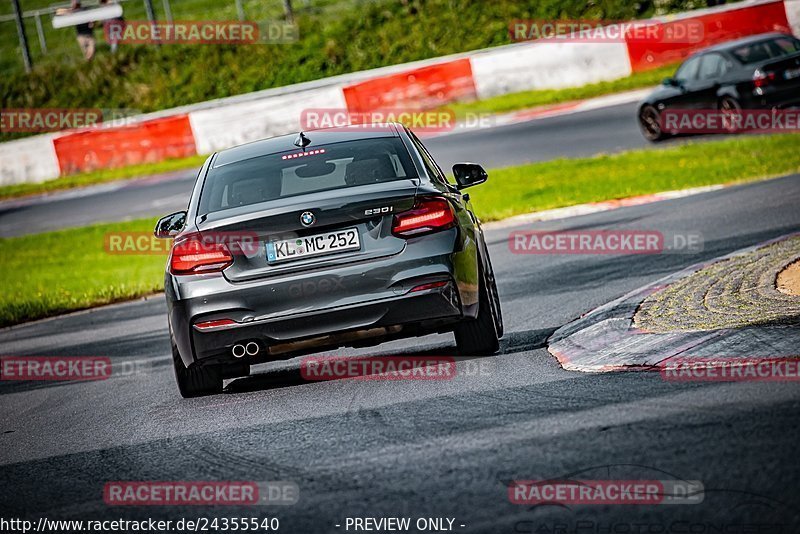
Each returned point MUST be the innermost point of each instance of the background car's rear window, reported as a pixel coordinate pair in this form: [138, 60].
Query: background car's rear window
[272, 177]
[765, 50]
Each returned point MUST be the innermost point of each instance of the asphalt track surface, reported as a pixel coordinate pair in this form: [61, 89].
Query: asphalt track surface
[435, 448]
[591, 132]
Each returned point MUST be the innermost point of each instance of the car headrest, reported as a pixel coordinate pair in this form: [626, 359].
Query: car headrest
[372, 170]
[244, 192]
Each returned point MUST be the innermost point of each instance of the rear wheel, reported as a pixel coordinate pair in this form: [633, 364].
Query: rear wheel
[480, 336]
[650, 124]
[494, 298]
[197, 380]
[731, 113]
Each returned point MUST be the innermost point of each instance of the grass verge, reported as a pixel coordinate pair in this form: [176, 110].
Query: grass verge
[57, 272]
[563, 182]
[39, 271]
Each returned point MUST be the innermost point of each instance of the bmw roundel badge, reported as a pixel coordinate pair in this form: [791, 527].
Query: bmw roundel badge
[307, 218]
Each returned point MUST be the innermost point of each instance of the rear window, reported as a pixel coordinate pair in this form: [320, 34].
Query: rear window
[281, 175]
[766, 50]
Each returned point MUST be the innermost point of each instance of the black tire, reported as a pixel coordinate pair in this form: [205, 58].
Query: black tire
[479, 336]
[195, 381]
[494, 298]
[650, 124]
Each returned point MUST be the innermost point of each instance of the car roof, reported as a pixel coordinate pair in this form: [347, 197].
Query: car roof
[727, 46]
[323, 136]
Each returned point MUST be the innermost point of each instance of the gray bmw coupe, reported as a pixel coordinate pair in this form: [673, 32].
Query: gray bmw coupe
[330, 238]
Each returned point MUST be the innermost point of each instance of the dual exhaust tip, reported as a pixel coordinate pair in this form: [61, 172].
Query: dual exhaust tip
[251, 349]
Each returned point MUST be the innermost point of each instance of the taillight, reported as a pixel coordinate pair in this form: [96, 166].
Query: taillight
[195, 256]
[427, 215]
[761, 78]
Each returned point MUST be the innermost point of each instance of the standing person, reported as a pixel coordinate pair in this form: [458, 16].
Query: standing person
[85, 34]
[112, 27]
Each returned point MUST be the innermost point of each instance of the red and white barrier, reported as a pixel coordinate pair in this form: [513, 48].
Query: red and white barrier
[424, 87]
[719, 24]
[28, 160]
[792, 8]
[234, 124]
[211, 126]
[547, 65]
[107, 148]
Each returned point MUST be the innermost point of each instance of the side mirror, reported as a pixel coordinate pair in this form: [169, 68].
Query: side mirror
[469, 174]
[171, 225]
[671, 82]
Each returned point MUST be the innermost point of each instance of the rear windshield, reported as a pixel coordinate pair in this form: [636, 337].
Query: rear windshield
[766, 50]
[322, 168]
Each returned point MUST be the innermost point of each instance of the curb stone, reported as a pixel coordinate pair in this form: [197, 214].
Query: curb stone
[605, 339]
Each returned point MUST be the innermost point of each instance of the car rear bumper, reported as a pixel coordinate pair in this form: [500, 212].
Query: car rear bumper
[368, 323]
[772, 97]
[354, 304]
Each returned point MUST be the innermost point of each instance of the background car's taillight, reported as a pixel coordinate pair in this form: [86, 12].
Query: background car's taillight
[762, 78]
[427, 215]
[196, 256]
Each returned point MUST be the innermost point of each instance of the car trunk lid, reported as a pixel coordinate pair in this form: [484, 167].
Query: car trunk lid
[366, 208]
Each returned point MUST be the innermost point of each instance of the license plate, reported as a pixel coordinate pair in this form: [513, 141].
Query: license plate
[791, 74]
[313, 245]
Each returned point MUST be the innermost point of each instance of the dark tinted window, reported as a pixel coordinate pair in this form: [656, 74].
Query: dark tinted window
[712, 66]
[787, 45]
[335, 166]
[766, 50]
[688, 71]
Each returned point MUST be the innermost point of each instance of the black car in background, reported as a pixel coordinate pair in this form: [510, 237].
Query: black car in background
[757, 72]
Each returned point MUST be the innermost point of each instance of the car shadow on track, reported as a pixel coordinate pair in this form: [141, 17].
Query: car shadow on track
[511, 343]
